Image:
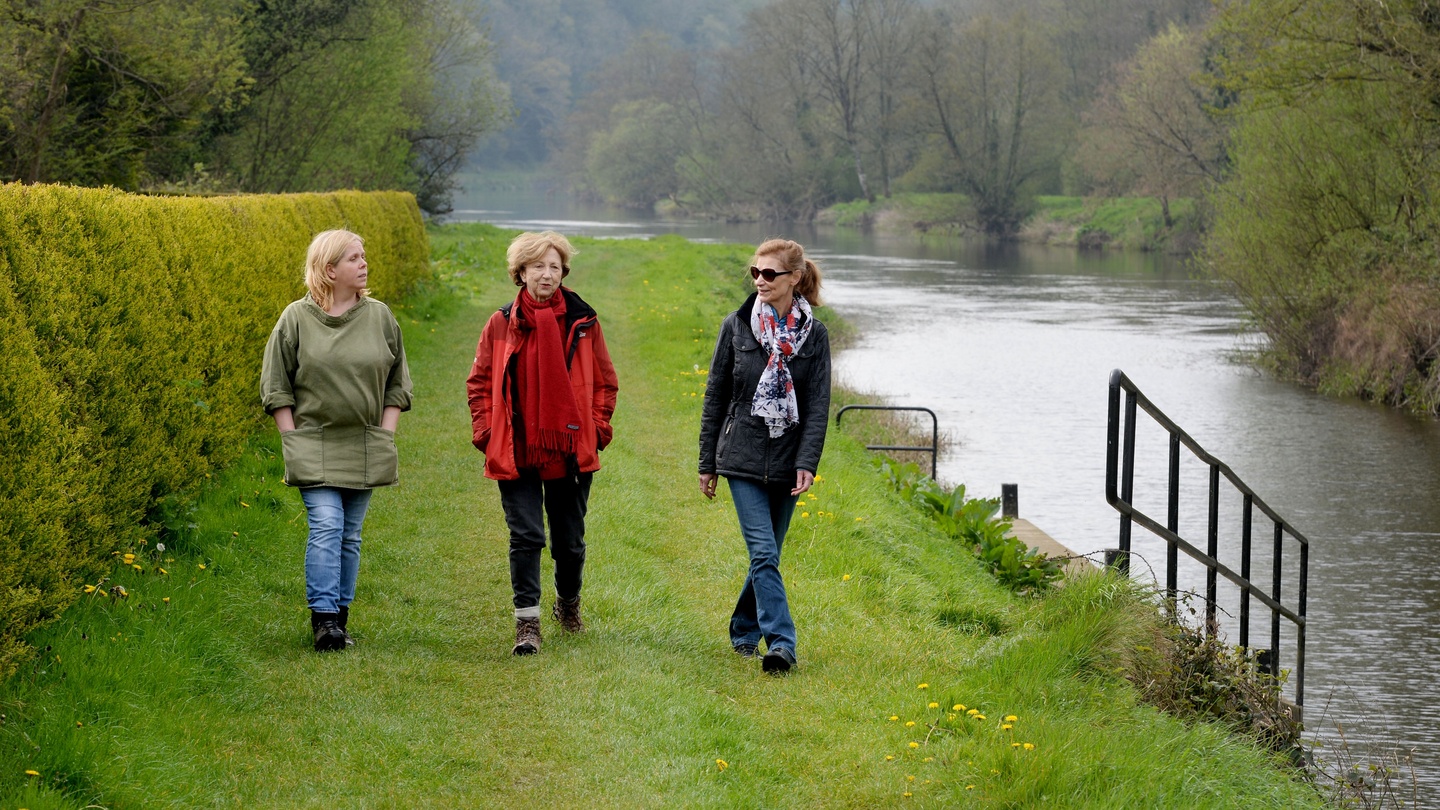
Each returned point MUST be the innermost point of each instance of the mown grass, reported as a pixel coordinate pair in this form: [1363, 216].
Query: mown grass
[215, 699]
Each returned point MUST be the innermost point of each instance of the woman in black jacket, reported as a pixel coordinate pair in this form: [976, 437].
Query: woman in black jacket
[767, 403]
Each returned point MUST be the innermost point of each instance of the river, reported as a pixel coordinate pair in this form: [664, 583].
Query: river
[1012, 346]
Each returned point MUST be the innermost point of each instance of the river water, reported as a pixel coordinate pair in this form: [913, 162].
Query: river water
[1012, 347]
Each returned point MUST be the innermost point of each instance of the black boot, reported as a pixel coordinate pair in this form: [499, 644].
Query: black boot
[328, 635]
[344, 622]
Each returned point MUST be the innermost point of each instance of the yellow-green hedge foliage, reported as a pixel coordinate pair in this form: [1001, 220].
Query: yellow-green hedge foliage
[131, 330]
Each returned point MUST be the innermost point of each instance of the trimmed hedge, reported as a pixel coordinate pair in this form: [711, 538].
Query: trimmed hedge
[131, 331]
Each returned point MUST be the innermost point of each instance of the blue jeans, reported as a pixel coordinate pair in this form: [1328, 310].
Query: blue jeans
[332, 554]
[762, 609]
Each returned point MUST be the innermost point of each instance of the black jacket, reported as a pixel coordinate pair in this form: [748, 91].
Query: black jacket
[735, 443]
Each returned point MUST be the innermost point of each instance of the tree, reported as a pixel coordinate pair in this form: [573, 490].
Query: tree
[1157, 129]
[989, 88]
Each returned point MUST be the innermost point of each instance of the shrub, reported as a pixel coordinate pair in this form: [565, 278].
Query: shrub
[131, 330]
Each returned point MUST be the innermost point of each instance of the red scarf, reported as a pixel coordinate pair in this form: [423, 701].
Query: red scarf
[547, 404]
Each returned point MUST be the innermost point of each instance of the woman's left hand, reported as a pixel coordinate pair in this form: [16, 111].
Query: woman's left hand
[803, 480]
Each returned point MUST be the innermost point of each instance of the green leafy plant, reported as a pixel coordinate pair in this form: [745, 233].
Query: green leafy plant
[976, 523]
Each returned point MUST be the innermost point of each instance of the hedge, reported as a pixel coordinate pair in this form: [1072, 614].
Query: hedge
[131, 330]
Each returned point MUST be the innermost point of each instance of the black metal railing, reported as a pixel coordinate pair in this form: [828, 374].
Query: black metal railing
[1119, 489]
[933, 449]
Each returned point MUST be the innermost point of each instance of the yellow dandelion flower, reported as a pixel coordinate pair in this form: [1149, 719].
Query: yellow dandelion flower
[910, 777]
[845, 578]
[89, 588]
[161, 570]
[958, 707]
[906, 794]
[934, 705]
[1014, 745]
[950, 717]
[979, 717]
[1029, 746]
[889, 757]
[914, 745]
[721, 764]
[244, 504]
[859, 519]
[923, 686]
[1006, 727]
[32, 773]
[166, 600]
[79, 724]
[969, 787]
[137, 568]
[1010, 718]
[928, 759]
[894, 717]
[819, 478]
[973, 712]
[909, 723]
[202, 566]
[804, 514]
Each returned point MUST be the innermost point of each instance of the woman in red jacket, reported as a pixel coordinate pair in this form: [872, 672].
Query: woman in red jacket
[542, 391]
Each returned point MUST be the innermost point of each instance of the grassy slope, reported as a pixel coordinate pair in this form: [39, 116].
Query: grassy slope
[216, 699]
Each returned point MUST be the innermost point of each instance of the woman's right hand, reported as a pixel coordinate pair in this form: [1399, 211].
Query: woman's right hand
[707, 484]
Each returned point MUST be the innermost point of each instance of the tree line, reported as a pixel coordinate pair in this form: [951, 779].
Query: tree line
[816, 101]
[245, 95]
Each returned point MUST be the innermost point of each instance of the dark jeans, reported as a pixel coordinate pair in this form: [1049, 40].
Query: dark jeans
[762, 609]
[563, 501]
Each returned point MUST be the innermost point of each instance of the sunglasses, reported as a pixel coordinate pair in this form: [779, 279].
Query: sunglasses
[769, 275]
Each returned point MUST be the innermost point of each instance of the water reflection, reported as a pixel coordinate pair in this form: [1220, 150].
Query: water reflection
[1012, 346]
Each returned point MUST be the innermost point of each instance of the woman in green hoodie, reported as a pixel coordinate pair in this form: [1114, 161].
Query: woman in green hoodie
[335, 380]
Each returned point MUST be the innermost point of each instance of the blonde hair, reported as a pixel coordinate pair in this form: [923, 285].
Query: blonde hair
[531, 247]
[326, 250]
[792, 258]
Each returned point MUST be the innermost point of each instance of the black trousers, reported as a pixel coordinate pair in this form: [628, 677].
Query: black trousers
[527, 502]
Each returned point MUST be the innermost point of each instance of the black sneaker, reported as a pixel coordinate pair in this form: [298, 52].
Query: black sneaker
[344, 622]
[328, 635]
[777, 661]
[746, 650]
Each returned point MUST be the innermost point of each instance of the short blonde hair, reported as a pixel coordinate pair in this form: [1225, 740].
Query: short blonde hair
[531, 247]
[792, 257]
[327, 249]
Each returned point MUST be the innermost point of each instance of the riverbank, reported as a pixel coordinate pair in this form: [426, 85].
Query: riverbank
[213, 697]
[1135, 223]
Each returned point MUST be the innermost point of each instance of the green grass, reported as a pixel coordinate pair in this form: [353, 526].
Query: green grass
[215, 699]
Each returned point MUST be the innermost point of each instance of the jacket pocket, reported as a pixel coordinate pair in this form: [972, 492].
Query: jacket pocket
[382, 461]
[304, 452]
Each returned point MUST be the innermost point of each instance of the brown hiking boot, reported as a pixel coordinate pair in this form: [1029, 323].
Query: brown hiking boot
[567, 612]
[527, 636]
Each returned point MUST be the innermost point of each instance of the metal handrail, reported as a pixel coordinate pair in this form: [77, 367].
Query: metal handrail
[1120, 464]
[933, 449]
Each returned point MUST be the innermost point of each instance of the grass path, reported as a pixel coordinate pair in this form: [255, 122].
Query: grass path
[214, 698]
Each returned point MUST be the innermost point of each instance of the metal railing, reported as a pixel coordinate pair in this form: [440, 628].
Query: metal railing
[1119, 489]
[933, 449]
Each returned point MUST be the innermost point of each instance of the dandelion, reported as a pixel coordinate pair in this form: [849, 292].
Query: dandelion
[129, 558]
[89, 588]
[923, 686]
[958, 707]
[161, 570]
[910, 777]
[246, 505]
[79, 724]
[166, 600]
[973, 712]
[804, 514]
[934, 705]
[32, 773]
[906, 794]
[202, 566]
[721, 764]
[160, 547]
[909, 723]
[889, 757]
[969, 787]
[894, 717]
[1029, 746]
[950, 716]
[914, 745]
[928, 759]
[845, 578]
[859, 519]
[1010, 718]
[1006, 727]
[979, 717]
[1014, 745]
[819, 478]
[137, 568]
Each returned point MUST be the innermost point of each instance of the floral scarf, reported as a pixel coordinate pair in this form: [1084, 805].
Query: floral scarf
[782, 338]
